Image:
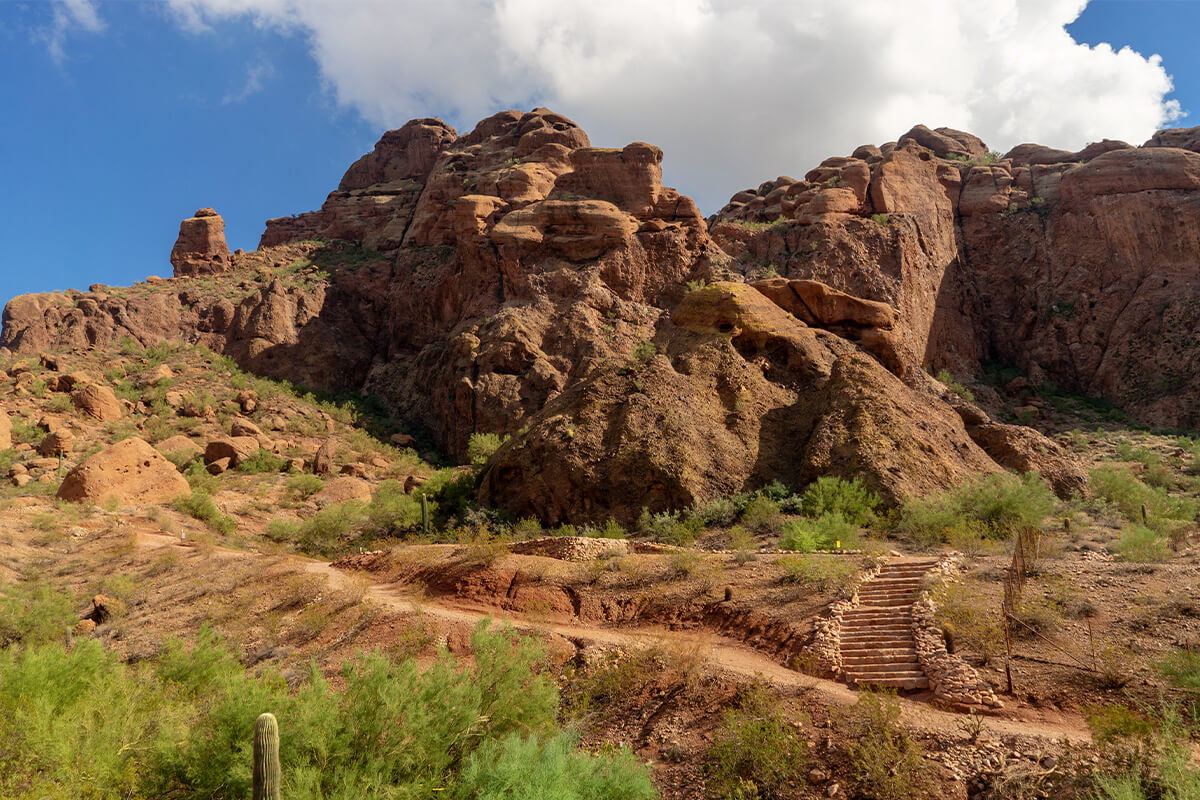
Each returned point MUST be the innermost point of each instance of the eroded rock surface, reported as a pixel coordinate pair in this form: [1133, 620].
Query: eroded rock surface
[200, 248]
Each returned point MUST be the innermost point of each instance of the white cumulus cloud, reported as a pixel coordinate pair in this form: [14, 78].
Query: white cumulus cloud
[734, 92]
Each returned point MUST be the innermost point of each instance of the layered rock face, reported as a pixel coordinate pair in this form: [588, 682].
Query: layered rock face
[1081, 268]
[517, 280]
[200, 248]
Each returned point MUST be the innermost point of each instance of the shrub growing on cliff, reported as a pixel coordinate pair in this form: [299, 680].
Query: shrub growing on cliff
[481, 446]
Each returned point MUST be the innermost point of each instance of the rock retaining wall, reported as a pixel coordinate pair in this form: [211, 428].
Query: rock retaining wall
[951, 679]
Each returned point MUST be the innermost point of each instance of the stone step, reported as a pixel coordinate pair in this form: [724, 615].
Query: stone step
[884, 602]
[874, 613]
[883, 630]
[876, 622]
[907, 683]
[885, 669]
[889, 657]
[877, 643]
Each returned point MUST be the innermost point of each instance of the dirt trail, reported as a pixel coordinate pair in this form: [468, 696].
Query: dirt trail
[719, 652]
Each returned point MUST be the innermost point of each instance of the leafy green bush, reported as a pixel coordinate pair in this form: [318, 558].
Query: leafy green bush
[199, 478]
[32, 613]
[670, 527]
[885, 761]
[720, 512]
[1182, 668]
[481, 446]
[329, 531]
[996, 505]
[517, 768]
[199, 504]
[391, 511]
[755, 751]
[762, 515]
[1144, 756]
[1140, 544]
[823, 533]
[262, 461]
[304, 485]
[80, 723]
[832, 495]
[1120, 487]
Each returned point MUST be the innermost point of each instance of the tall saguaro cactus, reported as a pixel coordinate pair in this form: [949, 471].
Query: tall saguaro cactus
[267, 773]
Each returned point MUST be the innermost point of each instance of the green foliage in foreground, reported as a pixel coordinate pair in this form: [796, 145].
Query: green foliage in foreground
[755, 751]
[1146, 756]
[79, 723]
[995, 506]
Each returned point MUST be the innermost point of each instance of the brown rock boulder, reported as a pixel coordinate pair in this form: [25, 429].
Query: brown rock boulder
[1023, 449]
[342, 489]
[236, 448]
[96, 401]
[200, 248]
[1183, 138]
[58, 443]
[323, 461]
[130, 471]
[815, 303]
[946, 142]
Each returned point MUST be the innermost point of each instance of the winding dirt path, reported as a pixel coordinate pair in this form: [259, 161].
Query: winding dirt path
[719, 652]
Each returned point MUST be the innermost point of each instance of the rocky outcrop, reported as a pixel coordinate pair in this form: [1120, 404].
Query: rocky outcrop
[737, 393]
[1079, 268]
[200, 248]
[130, 471]
[517, 280]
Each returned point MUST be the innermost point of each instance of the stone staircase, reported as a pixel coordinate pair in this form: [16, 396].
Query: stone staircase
[877, 644]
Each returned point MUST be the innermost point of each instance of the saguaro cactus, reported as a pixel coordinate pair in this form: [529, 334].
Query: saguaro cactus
[267, 774]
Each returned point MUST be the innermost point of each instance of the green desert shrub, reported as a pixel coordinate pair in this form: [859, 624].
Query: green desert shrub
[199, 505]
[832, 495]
[80, 723]
[885, 762]
[391, 511]
[304, 485]
[762, 515]
[1182, 668]
[820, 572]
[481, 446]
[995, 506]
[33, 613]
[823, 533]
[531, 768]
[1141, 544]
[756, 753]
[263, 461]
[1121, 488]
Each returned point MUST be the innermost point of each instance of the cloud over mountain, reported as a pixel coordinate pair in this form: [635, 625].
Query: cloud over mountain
[733, 92]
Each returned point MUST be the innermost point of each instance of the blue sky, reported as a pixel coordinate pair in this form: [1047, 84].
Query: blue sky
[113, 131]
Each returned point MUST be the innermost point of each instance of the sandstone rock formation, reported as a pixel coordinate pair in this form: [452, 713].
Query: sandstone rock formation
[1079, 268]
[200, 248]
[5, 430]
[517, 280]
[130, 471]
[96, 401]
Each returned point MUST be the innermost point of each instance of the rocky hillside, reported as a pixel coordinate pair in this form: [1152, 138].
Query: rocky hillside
[517, 281]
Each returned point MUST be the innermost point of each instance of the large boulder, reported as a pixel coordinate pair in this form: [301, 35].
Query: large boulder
[235, 448]
[200, 248]
[96, 401]
[130, 471]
